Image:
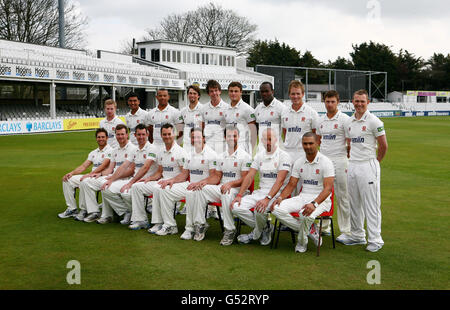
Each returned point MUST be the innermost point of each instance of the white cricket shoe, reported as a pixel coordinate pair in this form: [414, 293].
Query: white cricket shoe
[155, 228]
[81, 215]
[139, 225]
[126, 219]
[92, 217]
[167, 230]
[187, 235]
[68, 213]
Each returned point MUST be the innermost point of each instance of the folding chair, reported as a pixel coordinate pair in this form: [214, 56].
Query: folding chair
[324, 216]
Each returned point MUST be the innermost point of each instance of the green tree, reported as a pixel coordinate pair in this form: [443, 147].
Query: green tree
[272, 53]
[409, 71]
[436, 74]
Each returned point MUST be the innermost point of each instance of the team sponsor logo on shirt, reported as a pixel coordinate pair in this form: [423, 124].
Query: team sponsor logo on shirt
[311, 182]
[139, 165]
[380, 129]
[217, 122]
[270, 175]
[168, 169]
[196, 172]
[249, 165]
[229, 174]
[294, 129]
[358, 140]
[286, 165]
[266, 123]
[329, 137]
[119, 163]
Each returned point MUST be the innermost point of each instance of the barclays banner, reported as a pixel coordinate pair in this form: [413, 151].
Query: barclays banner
[30, 126]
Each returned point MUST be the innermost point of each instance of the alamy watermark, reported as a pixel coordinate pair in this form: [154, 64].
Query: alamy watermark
[374, 14]
[74, 275]
[374, 275]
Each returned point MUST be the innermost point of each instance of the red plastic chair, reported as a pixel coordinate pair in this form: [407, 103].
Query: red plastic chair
[324, 216]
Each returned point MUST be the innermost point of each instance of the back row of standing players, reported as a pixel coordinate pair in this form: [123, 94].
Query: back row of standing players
[272, 120]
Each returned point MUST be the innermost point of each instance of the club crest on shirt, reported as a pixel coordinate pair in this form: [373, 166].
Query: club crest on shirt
[336, 126]
[126, 155]
[237, 114]
[167, 116]
[301, 170]
[287, 118]
[364, 128]
[114, 128]
[317, 171]
[145, 156]
[303, 119]
[235, 164]
[271, 113]
[103, 156]
[172, 159]
[203, 161]
[220, 113]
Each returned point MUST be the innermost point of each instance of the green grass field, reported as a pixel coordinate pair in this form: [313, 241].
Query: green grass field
[36, 244]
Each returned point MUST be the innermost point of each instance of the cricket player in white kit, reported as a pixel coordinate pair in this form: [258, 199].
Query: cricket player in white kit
[170, 162]
[334, 145]
[90, 186]
[99, 159]
[199, 167]
[232, 167]
[241, 115]
[365, 132]
[274, 166]
[191, 116]
[268, 112]
[111, 121]
[214, 117]
[136, 115]
[297, 120]
[140, 164]
[162, 114]
[316, 174]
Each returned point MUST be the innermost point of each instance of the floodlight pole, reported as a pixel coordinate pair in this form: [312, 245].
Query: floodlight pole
[62, 36]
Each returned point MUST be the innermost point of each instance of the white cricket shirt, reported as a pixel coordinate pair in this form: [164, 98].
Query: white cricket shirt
[191, 118]
[214, 118]
[97, 156]
[121, 154]
[363, 134]
[297, 123]
[333, 142]
[311, 174]
[133, 120]
[172, 160]
[110, 127]
[269, 117]
[157, 118]
[199, 164]
[268, 166]
[240, 115]
[140, 156]
[232, 165]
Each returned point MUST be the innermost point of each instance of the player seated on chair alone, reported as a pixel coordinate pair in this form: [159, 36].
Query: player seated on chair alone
[199, 168]
[274, 166]
[99, 159]
[316, 175]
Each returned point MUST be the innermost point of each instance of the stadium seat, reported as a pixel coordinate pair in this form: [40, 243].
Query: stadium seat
[324, 216]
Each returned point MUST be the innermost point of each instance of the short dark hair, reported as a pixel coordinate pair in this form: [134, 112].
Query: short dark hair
[140, 127]
[132, 94]
[235, 84]
[197, 129]
[331, 94]
[212, 84]
[122, 126]
[166, 125]
[101, 130]
[230, 128]
[162, 89]
[310, 134]
[195, 88]
[268, 83]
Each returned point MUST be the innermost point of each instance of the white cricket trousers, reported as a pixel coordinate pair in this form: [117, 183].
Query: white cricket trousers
[113, 199]
[138, 192]
[88, 193]
[212, 193]
[69, 187]
[340, 195]
[167, 198]
[365, 199]
[302, 224]
[295, 154]
[255, 220]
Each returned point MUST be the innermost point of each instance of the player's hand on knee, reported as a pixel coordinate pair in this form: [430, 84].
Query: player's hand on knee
[276, 203]
[308, 209]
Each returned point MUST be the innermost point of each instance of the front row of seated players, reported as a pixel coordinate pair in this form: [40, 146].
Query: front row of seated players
[172, 174]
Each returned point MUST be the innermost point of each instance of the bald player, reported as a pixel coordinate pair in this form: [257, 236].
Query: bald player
[368, 147]
[274, 166]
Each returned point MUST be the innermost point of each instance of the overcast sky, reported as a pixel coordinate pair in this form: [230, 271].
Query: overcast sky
[327, 28]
